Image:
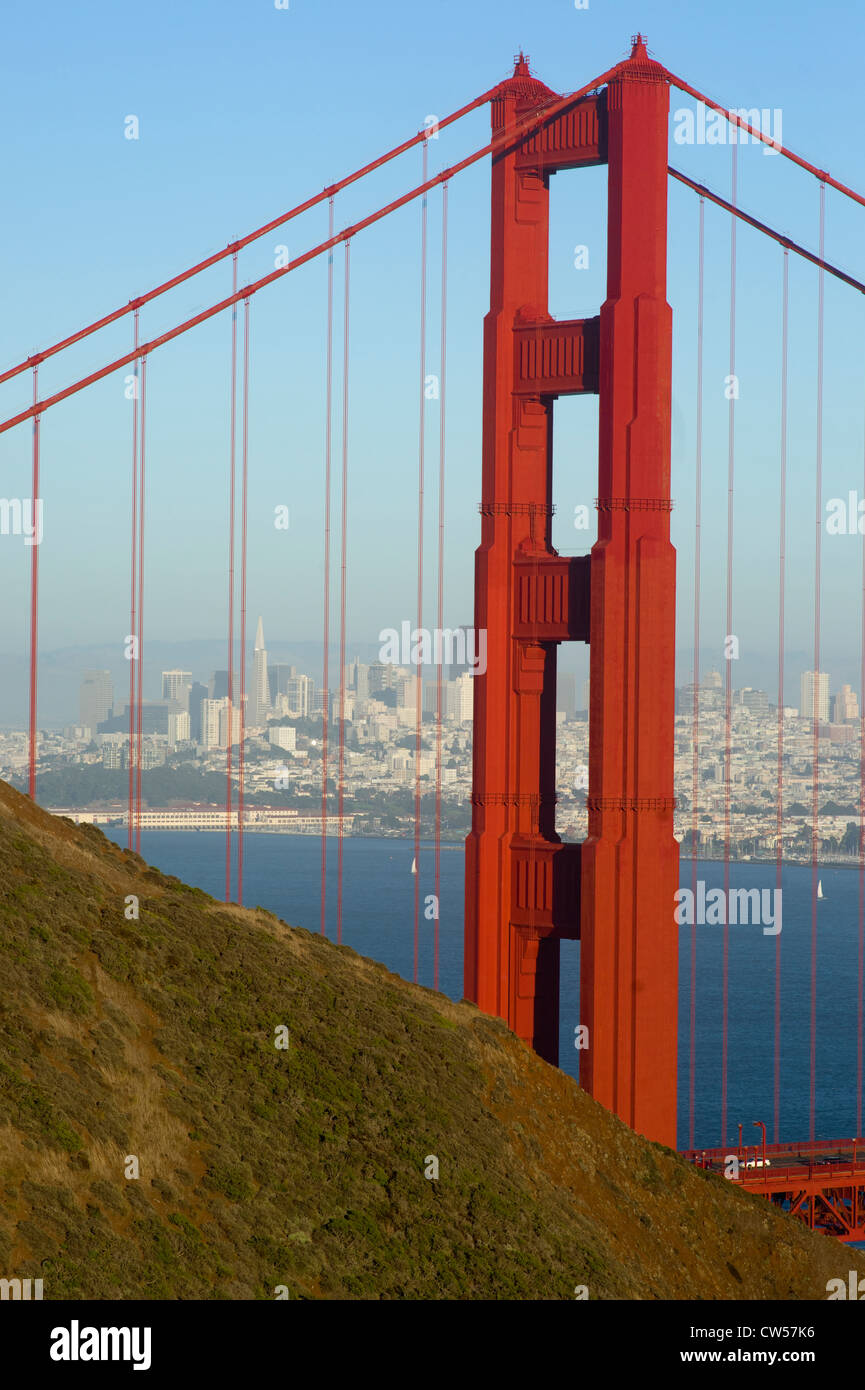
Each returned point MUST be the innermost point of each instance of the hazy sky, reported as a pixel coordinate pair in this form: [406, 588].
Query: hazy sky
[245, 110]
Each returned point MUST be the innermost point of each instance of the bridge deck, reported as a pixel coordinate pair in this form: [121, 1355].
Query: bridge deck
[821, 1182]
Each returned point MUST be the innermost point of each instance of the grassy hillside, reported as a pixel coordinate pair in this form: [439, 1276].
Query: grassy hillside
[259, 1167]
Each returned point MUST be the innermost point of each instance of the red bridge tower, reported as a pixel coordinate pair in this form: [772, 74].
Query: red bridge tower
[525, 889]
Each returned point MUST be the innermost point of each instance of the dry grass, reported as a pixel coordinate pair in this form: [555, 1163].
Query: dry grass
[305, 1167]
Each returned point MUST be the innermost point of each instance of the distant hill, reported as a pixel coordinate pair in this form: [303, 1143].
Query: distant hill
[154, 1040]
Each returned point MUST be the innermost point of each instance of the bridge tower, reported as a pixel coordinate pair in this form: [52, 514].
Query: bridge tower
[525, 889]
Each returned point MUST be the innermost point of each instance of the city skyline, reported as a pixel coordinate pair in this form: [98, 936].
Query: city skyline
[188, 470]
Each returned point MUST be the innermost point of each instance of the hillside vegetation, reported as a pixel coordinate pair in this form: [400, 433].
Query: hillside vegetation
[152, 1042]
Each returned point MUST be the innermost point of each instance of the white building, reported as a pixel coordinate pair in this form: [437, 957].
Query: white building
[223, 725]
[210, 722]
[347, 703]
[283, 737]
[299, 696]
[814, 700]
[178, 726]
[176, 686]
[461, 701]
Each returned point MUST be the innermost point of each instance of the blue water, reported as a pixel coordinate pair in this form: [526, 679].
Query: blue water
[282, 873]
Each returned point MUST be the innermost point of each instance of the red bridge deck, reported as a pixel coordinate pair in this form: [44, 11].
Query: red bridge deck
[821, 1182]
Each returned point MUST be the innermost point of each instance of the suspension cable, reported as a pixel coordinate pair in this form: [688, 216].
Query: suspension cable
[342, 581]
[756, 134]
[133, 601]
[782, 546]
[420, 501]
[140, 665]
[498, 145]
[860, 1005]
[328, 439]
[441, 553]
[815, 769]
[244, 491]
[232, 491]
[785, 241]
[34, 599]
[235, 246]
[732, 390]
[695, 754]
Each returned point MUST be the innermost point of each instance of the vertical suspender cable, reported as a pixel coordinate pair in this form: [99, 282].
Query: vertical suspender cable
[244, 490]
[326, 644]
[420, 492]
[133, 601]
[782, 546]
[34, 601]
[341, 756]
[695, 739]
[815, 762]
[860, 1035]
[232, 469]
[140, 665]
[728, 697]
[441, 558]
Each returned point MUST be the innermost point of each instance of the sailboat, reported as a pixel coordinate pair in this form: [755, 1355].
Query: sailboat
[414, 866]
[820, 893]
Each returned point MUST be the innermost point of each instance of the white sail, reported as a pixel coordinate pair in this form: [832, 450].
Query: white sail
[414, 866]
[820, 892]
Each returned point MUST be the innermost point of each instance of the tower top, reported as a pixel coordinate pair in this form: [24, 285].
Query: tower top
[523, 86]
[639, 67]
[259, 637]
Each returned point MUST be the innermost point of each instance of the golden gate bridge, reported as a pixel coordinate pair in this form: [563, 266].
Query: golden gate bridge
[526, 889]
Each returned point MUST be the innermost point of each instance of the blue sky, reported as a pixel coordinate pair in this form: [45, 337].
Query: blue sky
[245, 110]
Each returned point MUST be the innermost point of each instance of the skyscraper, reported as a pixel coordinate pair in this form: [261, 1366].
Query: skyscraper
[814, 695]
[299, 693]
[178, 726]
[197, 694]
[176, 686]
[95, 699]
[215, 724]
[224, 737]
[260, 701]
[757, 701]
[845, 706]
[217, 686]
[278, 676]
[566, 693]
[210, 722]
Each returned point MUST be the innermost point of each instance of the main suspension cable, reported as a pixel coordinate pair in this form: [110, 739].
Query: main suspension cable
[235, 246]
[498, 145]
